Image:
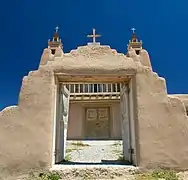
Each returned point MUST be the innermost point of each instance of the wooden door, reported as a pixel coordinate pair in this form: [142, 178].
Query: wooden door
[125, 122]
[97, 123]
[62, 124]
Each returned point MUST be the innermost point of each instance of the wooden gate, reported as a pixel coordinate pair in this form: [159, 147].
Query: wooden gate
[125, 121]
[62, 124]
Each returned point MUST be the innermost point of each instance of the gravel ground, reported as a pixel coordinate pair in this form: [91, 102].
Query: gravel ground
[94, 151]
[95, 172]
[98, 172]
[183, 175]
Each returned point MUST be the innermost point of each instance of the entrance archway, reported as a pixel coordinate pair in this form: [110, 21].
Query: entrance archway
[126, 112]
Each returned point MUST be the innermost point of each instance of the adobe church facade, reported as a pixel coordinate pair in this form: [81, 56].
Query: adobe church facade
[94, 92]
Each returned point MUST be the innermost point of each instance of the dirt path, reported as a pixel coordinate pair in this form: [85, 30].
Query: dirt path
[94, 151]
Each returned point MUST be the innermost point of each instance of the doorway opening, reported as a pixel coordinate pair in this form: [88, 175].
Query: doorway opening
[95, 120]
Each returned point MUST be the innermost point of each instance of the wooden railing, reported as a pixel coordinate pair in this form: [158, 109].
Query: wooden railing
[88, 89]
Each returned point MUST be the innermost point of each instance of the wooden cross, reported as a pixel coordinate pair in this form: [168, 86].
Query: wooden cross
[94, 35]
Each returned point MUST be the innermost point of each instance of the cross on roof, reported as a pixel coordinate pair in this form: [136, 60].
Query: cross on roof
[133, 30]
[94, 35]
[57, 29]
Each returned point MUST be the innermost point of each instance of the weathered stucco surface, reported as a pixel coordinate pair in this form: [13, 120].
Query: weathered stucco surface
[89, 60]
[162, 124]
[183, 98]
[26, 130]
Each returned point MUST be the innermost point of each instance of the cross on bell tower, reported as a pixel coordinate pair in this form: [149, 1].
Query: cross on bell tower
[134, 43]
[133, 30]
[94, 36]
[55, 42]
[57, 29]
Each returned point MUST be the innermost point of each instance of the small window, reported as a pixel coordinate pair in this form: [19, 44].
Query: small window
[137, 52]
[53, 51]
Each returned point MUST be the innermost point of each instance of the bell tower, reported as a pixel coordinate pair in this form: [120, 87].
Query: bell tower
[55, 43]
[134, 43]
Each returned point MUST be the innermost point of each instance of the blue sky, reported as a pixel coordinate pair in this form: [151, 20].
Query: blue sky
[27, 25]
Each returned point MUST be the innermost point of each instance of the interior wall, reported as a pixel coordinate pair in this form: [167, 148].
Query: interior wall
[76, 126]
[75, 121]
[116, 121]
